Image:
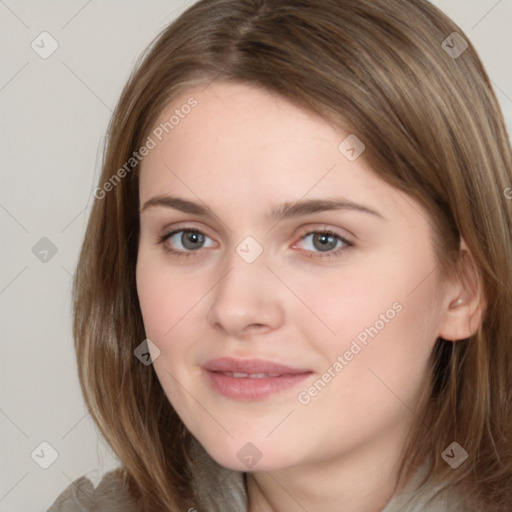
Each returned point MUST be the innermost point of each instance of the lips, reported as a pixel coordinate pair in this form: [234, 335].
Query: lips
[242, 375]
[251, 367]
[251, 379]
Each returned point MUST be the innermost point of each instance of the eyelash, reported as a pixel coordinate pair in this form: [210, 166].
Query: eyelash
[330, 254]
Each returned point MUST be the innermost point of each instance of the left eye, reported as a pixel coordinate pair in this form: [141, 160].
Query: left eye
[324, 241]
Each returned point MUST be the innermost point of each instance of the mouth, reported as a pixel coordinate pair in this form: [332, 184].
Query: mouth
[251, 379]
[241, 375]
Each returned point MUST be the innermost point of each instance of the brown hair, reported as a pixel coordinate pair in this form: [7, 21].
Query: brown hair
[432, 128]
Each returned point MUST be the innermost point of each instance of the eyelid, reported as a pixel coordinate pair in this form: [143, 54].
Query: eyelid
[184, 226]
[324, 228]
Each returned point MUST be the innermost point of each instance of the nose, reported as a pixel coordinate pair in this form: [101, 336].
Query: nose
[247, 300]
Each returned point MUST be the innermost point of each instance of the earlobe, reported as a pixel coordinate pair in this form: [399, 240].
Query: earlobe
[465, 301]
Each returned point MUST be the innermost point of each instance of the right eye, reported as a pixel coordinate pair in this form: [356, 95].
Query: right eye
[183, 242]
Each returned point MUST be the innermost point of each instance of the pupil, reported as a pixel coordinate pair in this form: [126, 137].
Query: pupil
[191, 239]
[327, 242]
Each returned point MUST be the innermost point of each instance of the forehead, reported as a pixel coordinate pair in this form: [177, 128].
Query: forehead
[239, 141]
[227, 113]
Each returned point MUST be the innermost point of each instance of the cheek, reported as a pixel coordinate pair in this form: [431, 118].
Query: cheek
[373, 379]
[165, 306]
[352, 295]
[337, 306]
[383, 322]
[163, 297]
[385, 349]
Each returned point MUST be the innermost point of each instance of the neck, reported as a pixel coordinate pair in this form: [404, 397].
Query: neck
[364, 480]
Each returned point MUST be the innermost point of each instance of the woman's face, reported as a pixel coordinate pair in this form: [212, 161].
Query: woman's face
[294, 309]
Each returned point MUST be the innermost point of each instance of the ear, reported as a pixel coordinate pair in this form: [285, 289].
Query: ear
[464, 300]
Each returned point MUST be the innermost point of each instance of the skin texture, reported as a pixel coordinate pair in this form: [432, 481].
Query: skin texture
[243, 151]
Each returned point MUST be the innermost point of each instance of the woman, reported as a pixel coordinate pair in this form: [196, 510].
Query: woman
[303, 222]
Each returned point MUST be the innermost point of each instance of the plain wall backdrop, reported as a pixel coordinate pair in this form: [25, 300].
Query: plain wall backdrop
[54, 113]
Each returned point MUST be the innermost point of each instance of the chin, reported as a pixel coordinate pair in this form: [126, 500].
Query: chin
[247, 456]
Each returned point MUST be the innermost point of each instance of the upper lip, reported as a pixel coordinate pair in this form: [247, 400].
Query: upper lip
[228, 364]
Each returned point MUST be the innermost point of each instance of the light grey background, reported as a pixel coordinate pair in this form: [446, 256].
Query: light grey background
[54, 113]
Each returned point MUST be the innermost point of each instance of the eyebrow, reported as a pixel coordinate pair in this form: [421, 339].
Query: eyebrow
[284, 211]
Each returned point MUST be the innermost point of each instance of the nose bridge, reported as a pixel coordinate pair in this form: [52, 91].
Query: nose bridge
[245, 262]
[246, 274]
[241, 297]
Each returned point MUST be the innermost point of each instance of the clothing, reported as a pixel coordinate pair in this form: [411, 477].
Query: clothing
[80, 496]
[219, 490]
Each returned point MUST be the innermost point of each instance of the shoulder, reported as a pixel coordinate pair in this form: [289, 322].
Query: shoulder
[80, 496]
[418, 497]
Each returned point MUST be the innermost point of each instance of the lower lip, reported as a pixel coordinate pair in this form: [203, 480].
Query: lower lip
[245, 388]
